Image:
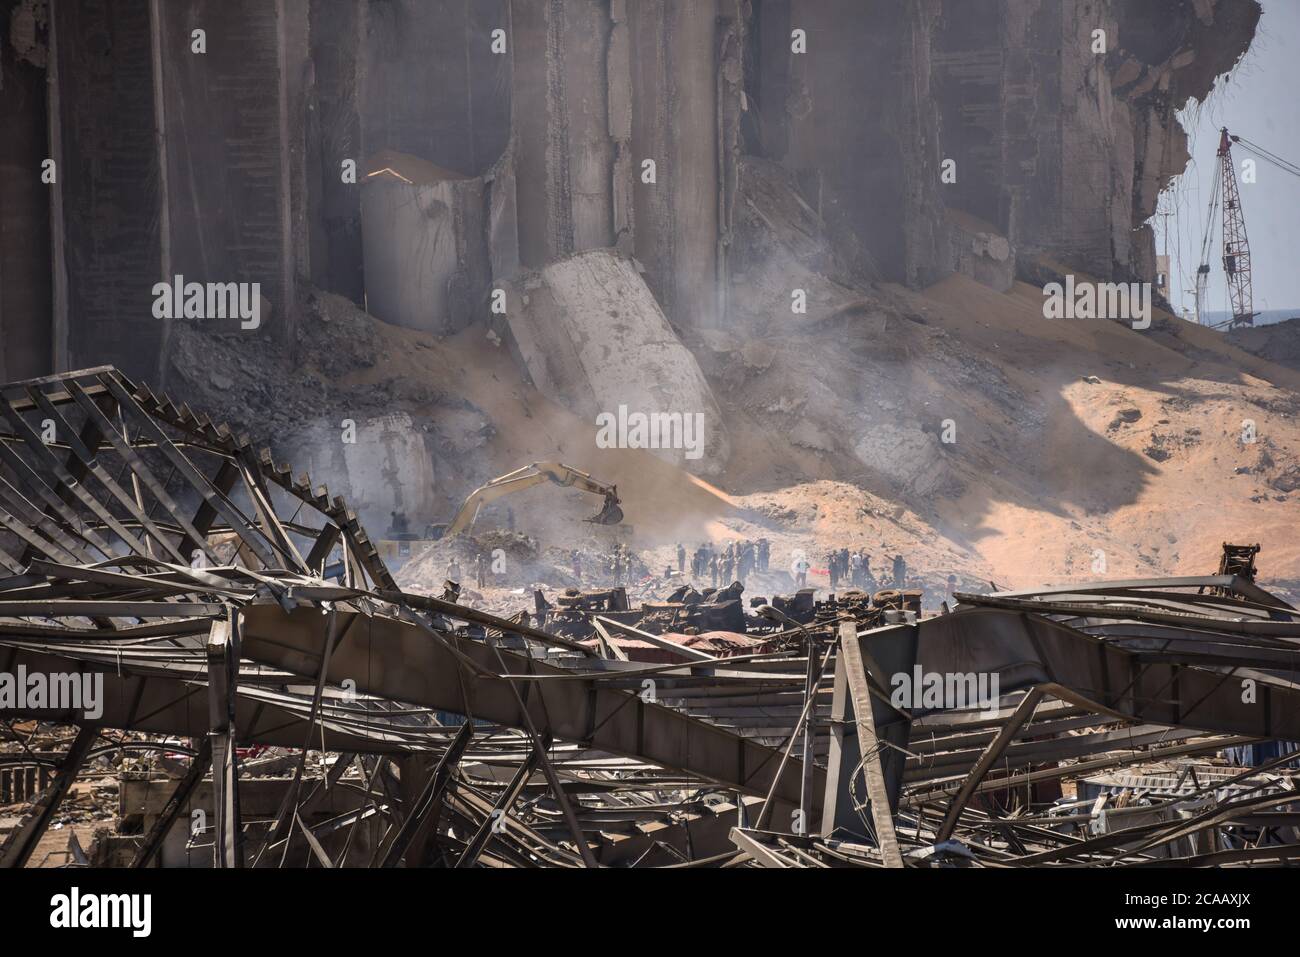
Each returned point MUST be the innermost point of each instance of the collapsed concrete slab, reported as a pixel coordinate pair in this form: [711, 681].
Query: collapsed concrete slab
[424, 233]
[381, 465]
[592, 337]
[979, 250]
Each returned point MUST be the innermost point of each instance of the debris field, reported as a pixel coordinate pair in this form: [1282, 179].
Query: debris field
[223, 646]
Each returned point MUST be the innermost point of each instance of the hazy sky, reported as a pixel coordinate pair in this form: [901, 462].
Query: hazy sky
[1261, 102]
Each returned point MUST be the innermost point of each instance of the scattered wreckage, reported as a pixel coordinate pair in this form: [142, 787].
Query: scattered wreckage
[284, 703]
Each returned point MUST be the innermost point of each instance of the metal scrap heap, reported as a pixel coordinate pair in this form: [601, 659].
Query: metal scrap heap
[233, 629]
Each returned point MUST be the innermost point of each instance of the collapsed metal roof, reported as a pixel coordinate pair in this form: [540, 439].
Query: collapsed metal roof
[223, 599]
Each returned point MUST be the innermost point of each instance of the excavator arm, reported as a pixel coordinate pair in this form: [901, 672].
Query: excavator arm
[536, 474]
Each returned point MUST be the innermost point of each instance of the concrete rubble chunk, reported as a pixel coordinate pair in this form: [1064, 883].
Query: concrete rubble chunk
[424, 235]
[593, 338]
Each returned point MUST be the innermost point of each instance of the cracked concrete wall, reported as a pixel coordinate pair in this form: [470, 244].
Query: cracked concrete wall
[418, 77]
[431, 85]
[109, 183]
[560, 107]
[861, 126]
[390, 467]
[1066, 149]
[1157, 72]
[675, 124]
[26, 333]
[1061, 151]
[231, 142]
[599, 88]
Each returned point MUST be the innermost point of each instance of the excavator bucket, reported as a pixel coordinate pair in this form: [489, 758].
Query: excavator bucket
[610, 513]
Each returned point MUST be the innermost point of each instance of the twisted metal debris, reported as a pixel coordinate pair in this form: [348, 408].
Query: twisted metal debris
[225, 603]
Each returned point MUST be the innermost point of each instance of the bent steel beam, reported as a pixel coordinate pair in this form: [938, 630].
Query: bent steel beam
[1028, 650]
[399, 660]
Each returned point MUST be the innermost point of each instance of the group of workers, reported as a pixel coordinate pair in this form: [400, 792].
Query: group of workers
[736, 562]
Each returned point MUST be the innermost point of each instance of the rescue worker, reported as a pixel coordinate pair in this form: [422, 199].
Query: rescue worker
[801, 567]
[900, 571]
[744, 561]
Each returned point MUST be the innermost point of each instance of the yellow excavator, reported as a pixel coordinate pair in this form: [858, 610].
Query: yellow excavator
[565, 476]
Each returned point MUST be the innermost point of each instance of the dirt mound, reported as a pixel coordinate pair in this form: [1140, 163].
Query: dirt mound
[1278, 342]
[1154, 448]
[1022, 449]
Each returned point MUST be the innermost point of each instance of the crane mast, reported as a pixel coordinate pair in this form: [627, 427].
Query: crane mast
[1236, 245]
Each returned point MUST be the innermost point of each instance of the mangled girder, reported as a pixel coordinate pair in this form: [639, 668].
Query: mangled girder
[139, 696]
[1028, 651]
[405, 661]
[1033, 652]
